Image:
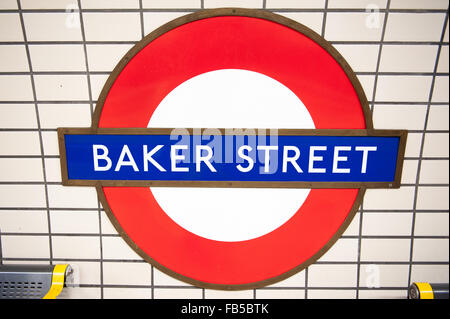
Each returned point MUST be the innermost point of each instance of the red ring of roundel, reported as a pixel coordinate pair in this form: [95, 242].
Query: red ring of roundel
[232, 42]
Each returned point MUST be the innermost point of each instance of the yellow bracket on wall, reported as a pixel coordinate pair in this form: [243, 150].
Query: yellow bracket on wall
[58, 279]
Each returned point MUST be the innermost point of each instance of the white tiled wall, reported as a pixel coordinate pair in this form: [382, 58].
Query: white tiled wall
[397, 237]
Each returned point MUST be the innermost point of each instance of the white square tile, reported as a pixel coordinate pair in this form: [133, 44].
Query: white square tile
[430, 250]
[383, 294]
[85, 273]
[8, 4]
[353, 27]
[410, 117]
[97, 84]
[441, 89]
[432, 198]
[75, 222]
[414, 27]
[47, 4]
[17, 116]
[50, 143]
[61, 87]
[331, 294]
[362, 58]
[436, 145]
[25, 246]
[409, 171]
[297, 280]
[431, 224]
[374, 250]
[105, 57]
[53, 26]
[57, 57]
[222, 294]
[311, 20]
[401, 198]
[413, 143]
[19, 143]
[383, 276]
[110, 4]
[233, 3]
[357, 4]
[26, 221]
[112, 26]
[10, 27]
[153, 20]
[117, 248]
[76, 247]
[127, 293]
[345, 249]
[53, 170]
[15, 88]
[434, 172]
[408, 58]
[438, 119]
[120, 273]
[107, 226]
[353, 228]
[296, 4]
[74, 196]
[331, 276]
[163, 293]
[64, 115]
[387, 224]
[429, 273]
[21, 170]
[161, 279]
[13, 58]
[80, 293]
[419, 4]
[280, 294]
[170, 4]
[22, 196]
[443, 60]
[403, 88]
[367, 82]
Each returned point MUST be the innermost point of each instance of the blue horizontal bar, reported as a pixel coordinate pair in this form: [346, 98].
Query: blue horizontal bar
[292, 158]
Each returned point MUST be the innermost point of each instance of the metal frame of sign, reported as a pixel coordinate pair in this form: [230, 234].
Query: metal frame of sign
[62, 132]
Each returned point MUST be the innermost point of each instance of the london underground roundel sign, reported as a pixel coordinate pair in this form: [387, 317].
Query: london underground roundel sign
[231, 148]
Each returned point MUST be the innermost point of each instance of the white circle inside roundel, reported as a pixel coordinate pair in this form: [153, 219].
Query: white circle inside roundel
[231, 98]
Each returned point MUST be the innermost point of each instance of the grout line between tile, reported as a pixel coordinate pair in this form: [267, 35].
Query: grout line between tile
[422, 145]
[361, 214]
[41, 144]
[88, 77]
